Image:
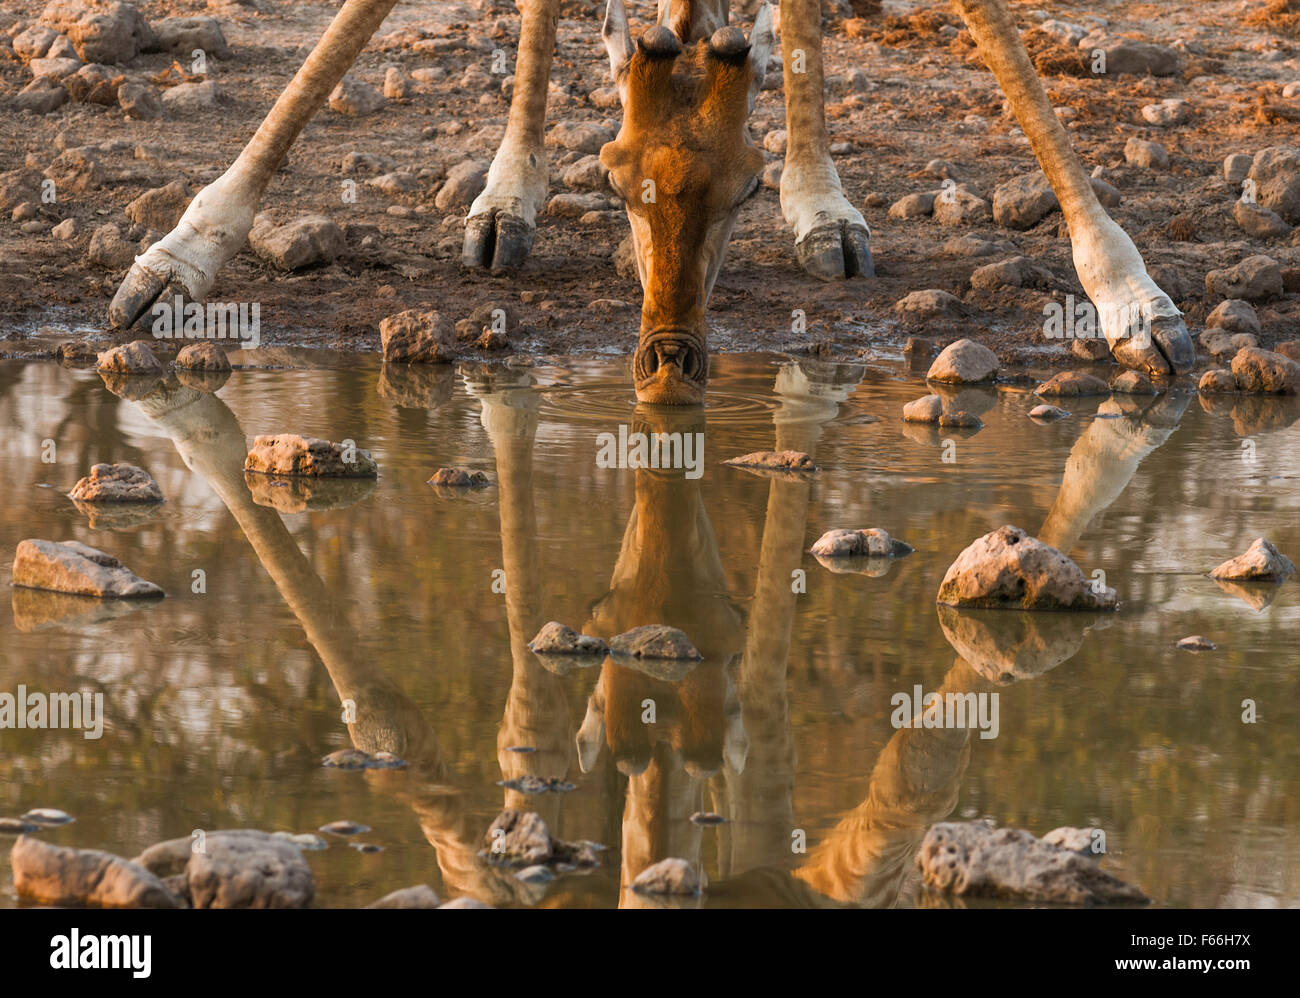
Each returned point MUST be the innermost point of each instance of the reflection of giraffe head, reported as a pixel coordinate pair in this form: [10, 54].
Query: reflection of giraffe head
[683, 164]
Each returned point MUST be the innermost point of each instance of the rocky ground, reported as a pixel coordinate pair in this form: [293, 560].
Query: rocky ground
[909, 106]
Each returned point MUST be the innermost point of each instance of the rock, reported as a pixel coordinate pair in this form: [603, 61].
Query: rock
[1236, 167]
[109, 250]
[1007, 568]
[1196, 642]
[202, 356]
[241, 868]
[465, 902]
[961, 419]
[355, 97]
[912, 206]
[1261, 562]
[656, 641]
[348, 758]
[188, 98]
[1017, 272]
[1235, 316]
[117, 483]
[135, 357]
[707, 818]
[345, 827]
[1151, 155]
[785, 460]
[16, 826]
[290, 454]
[1023, 202]
[1079, 840]
[964, 362]
[465, 181]
[575, 205]
[1265, 372]
[556, 639]
[1218, 381]
[101, 30]
[580, 136]
[182, 35]
[420, 896]
[1166, 114]
[73, 567]
[307, 842]
[48, 817]
[304, 242]
[65, 230]
[1095, 350]
[1291, 349]
[930, 304]
[457, 478]
[1255, 278]
[1275, 173]
[1133, 383]
[1137, 58]
[668, 876]
[41, 96]
[1256, 220]
[64, 877]
[139, 101]
[396, 85]
[537, 874]
[418, 337]
[1071, 384]
[94, 84]
[587, 173]
[960, 206]
[518, 838]
[1047, 412]
[40, 42]
[926, 409]
[161, 208]
[975, 859]
[872, 543]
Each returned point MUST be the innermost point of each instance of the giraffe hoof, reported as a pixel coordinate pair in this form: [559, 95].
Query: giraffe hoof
[836, 250]
[1167, 350]
[497, 241]
[138, 293]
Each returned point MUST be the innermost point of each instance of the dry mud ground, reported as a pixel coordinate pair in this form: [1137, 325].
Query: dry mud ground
[904, 87]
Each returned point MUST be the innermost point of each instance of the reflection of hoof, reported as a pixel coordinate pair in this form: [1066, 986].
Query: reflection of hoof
[1006, 647]
[37, 608]
[416, 386]
[295, 494]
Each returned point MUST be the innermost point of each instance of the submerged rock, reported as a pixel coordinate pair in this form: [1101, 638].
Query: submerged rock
[707, 818]
[529, 784]
[420, 896]
[352, 758]
[655, 641]
[73, 567]
[290, 454]
[116, 483]
[241, 868]
[1007, 568]
[1261, 562]
[59, 876]
[556, 639]
[1196, 642]
[783, 460]
[926, 409]
[458, 478]
[1073, 384]
[521, 838]
[976, 859]
[668, 876]
[871, 542]
[305, 841]
[345, 827]
[964, 362]
[49, 817]
[16, 826]
[1046, 411]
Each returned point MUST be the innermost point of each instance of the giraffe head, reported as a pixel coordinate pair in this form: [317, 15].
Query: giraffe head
[683, 163]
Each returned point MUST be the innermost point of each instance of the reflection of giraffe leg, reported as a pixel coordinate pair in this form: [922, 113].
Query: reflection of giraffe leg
[1101, 464]
[536, 712]
[211, 443]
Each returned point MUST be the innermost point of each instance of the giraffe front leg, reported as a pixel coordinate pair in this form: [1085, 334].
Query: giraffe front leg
[185, 261]
[831, 238]
[1144, 328]
[503, 219]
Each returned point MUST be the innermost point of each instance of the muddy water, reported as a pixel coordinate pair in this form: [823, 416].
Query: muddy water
[219, 704]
